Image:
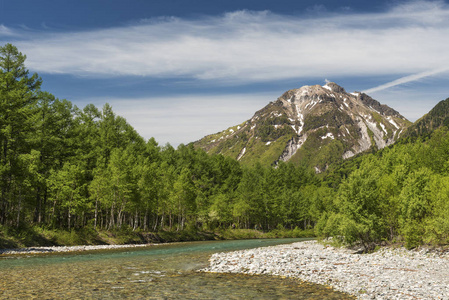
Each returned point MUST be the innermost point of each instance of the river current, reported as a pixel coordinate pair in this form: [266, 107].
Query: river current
[166, 271]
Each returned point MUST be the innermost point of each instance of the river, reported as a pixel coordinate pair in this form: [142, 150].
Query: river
[166, 271]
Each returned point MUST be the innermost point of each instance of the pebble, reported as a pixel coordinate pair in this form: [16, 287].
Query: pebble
[390, 273]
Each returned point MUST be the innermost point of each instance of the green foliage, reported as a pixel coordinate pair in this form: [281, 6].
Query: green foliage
[437, 225]
[89, 169]
[398, 194]
[330, 150]
[260, 152]
[67, 174]
[331, 153]
[240, 234]
[331, 118]
[437, 117]
[271, 129]
[371, 136]
[359, 205]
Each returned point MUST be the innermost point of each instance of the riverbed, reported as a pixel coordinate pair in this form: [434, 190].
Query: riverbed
[151, 272]
[391, 273]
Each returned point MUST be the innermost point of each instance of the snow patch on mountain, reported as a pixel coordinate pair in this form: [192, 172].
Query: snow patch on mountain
[241, 154]
[392, 122]
[355, 120]
[328, 135]
[327, 87]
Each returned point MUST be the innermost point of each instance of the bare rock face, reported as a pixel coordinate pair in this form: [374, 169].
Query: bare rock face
[316, 125]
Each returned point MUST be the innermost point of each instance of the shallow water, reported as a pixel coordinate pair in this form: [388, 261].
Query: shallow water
[154, 272]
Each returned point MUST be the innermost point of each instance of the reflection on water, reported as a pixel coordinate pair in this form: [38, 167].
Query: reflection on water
[157, 272]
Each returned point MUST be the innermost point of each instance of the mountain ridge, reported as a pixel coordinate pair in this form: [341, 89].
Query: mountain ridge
[437, 117]
[313, 125]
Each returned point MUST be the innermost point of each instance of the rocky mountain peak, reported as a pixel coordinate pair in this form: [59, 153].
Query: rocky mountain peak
[316, 125]
[334, 87]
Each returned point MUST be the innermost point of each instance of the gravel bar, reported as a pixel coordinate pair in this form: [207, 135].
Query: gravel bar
[390, 273]
[54, 249]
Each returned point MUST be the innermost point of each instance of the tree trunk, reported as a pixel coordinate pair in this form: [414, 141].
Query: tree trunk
[111, 218]
[69, 217]
[170, 221]
[96, 213]
[155, 222]
[19, 208]
[145, 220]
[136, 221]
[44, 206]
[162, 222]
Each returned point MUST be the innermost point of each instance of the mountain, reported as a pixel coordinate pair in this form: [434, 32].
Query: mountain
[316, 125]
[434, 119]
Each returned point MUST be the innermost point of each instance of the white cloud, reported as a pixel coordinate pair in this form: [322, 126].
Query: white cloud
[406, 79]
[413, 102]
[6, 32]
[245, 46]
[184, 119]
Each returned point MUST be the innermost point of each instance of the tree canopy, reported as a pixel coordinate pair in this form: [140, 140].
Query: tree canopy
[66, 167]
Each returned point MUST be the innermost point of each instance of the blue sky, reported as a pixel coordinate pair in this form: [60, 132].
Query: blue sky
[178, 70]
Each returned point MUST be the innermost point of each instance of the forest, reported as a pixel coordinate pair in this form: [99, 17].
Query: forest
[67, 168]
[397, 194]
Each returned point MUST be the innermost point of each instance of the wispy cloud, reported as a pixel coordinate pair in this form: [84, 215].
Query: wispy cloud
[414, 101]
[245, 46]
[406, 79]
[6, 32]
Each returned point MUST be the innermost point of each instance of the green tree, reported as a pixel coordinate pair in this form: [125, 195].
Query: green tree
[66, 190]
[18, 93]
[98, 191]
[123, 184]
[415, 206]
[149, 185]
[183, 197]
[53, 138]
[249, 206]
[437, 224]
[360, 217]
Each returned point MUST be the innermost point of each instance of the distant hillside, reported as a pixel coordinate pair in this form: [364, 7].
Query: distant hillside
[434, 119]
[316, 125]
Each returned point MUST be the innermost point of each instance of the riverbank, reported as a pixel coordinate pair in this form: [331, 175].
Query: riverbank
[62, 249]
[38, 237]
[163, 271]
[390, 273]
[62, 241]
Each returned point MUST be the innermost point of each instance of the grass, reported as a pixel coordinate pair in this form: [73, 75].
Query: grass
[38, 236]
[239, 234]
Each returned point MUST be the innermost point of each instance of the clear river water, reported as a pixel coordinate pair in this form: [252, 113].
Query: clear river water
[165, 271]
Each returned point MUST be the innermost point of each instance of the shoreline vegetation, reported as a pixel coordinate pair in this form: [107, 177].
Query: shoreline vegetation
[66, 172]
[11, 241]
[71, 176]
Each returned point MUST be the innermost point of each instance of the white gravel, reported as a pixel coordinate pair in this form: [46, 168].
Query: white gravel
[386, 274]
[35, 250]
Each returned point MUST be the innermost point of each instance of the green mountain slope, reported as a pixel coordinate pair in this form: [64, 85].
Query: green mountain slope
[313, 125]
[434, 119]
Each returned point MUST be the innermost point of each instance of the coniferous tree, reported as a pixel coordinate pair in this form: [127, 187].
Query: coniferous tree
[18, 94]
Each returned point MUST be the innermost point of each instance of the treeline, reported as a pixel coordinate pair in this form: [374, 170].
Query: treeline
[65, 167]
[398, 194]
